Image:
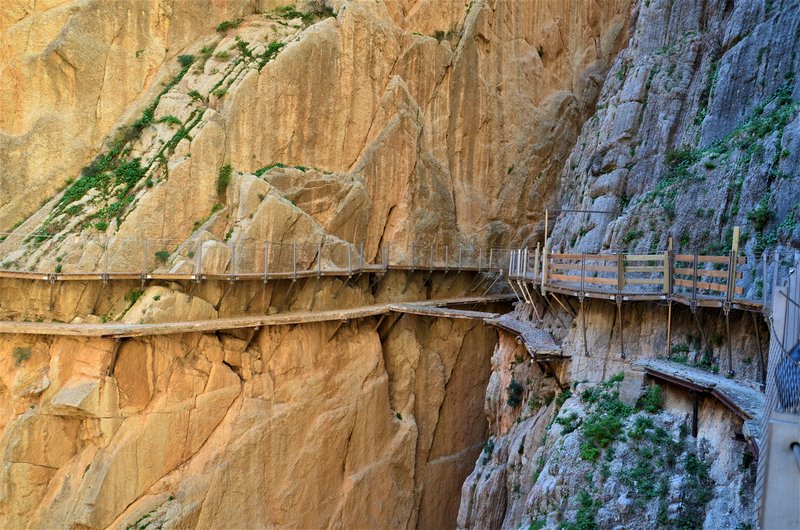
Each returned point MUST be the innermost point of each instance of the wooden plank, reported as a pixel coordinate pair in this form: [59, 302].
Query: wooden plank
[645, 268]
[587, 268]
[586, 280]
[708, 259]
[645, 281]
[644, 257]
[707, 285]
[707, 272]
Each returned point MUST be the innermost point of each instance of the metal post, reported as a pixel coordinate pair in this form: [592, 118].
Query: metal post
[144, 259]
[198, 266]
[583, 327]
[764, 283]
[233, 259]
[388, 255]
[363, 260]
[105, 261]
[460, 252]
[694, 279]
[669, 327]
[491, 255]
[431, 259]
[621, 328]
[536, 263]
[266, 261]
[480, 259]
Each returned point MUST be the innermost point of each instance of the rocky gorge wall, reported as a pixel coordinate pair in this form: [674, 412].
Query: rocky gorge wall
[304, 426]
[577, 442]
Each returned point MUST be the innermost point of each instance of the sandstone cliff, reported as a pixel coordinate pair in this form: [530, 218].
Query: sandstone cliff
[413, 107]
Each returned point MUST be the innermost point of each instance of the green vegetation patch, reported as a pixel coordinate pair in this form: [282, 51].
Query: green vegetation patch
[21, 354]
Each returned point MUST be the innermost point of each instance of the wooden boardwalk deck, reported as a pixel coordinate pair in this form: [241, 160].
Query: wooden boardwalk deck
[112, 330]
[744, 401]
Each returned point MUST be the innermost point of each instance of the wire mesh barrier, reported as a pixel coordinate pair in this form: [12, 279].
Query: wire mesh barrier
[778, 473]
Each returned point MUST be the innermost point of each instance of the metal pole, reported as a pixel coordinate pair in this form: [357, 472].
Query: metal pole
[491, 255]
[480, 259]
[388, 255]
[144, 258]
[198, 268]
[460, 252]
[431, 259]
[105, 260]
[266, 261]
[669, 327]
[233, 258]
[363, 260]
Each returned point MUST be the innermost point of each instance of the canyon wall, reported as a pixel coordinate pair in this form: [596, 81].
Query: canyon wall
[696, 131]
[307, 426]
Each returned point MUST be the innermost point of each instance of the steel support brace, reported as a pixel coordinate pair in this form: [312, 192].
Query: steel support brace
[621, 327]
[761, 363]
[583, 327]
[669, 327]
[52, 279]
[726, 308]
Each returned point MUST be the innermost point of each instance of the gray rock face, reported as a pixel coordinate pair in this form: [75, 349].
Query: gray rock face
[696, 131]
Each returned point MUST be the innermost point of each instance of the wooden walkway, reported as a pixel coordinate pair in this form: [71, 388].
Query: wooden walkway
[435, 308]
[744, 401]
[690, 279]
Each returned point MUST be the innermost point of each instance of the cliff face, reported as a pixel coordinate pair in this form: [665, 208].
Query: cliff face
[696, 131]
[70, 70]
[311, 426]
[422, 113]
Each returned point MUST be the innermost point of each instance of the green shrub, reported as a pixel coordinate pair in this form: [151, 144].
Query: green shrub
[515, 391]
[185, 60]
[223, 179]
[133, 296]
[653, 399]
[162, 256]
[229, 24]
[170, 120]
[195, 95]
[563, 397]
[59, 268]
[101, 226]
[761, 215]
[220, 92]
[156, 298]
[21, 354]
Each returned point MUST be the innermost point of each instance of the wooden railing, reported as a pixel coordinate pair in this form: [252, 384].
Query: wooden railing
[697, 279]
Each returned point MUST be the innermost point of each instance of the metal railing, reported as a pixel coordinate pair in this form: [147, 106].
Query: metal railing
[81, 257]
[778, 476]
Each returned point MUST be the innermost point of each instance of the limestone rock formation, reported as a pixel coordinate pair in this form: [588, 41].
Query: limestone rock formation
[695, 132]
